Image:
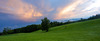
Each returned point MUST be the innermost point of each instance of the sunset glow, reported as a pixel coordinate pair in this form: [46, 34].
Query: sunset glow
[26, 12]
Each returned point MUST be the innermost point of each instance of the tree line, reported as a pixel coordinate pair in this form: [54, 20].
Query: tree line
[44, 26]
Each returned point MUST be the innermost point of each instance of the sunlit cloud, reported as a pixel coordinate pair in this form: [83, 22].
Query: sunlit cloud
[67, 11]
[20, 9]
[24, 12]
[37, 9]
[92, 5]
[78, 9]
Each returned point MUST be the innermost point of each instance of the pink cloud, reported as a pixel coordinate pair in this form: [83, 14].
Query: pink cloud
[77, 9]
[21, 10]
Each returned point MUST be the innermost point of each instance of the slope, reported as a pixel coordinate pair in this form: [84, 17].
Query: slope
[80, 31]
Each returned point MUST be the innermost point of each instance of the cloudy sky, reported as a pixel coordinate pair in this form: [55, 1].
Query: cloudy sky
[17, 13]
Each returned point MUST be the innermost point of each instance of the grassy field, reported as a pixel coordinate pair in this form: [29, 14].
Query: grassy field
[81, 31]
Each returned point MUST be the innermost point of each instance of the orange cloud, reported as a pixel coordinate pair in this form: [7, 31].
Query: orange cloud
[21, 10]
[67, 11]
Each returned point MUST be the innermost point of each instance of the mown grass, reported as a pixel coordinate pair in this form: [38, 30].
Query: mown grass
[81, 31]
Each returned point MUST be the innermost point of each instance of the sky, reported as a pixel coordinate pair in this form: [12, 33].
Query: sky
[19, 13]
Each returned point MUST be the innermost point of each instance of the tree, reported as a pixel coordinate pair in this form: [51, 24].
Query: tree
[7, 30]
[0, 33]
[45, 24]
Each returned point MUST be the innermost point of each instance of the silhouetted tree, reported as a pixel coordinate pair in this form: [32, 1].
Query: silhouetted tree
[94, 17]
[29, 28]
[55, 23]
[7, 30]
[0, 33]
[45, 24]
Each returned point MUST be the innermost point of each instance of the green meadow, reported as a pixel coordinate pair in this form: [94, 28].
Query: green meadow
[79, 31]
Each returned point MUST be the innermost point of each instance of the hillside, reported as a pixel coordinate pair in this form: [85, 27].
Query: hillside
[81, 31]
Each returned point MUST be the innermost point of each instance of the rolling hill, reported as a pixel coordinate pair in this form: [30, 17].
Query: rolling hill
[80, 31]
